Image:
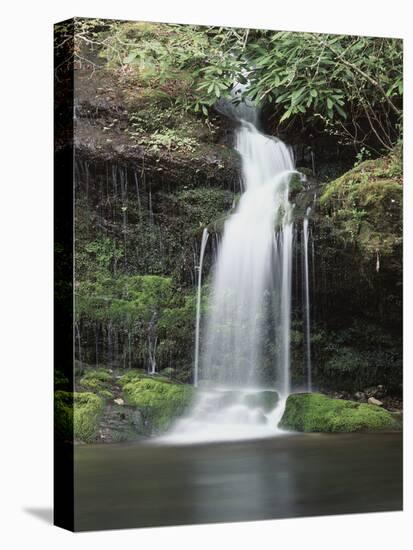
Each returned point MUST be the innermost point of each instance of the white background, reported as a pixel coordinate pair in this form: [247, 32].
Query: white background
[26, 272]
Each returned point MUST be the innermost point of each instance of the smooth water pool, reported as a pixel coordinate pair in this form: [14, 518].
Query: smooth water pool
[151, 484]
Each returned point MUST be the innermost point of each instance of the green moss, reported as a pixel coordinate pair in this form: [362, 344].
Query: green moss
[91, 384]
[202, 207]
[365, 205]
[105, 394]
[100, 374]
[87, 413]
[132, 376]
[77, 415]
[159, 124]
[98, 381]
[314, 412]
[159, 401]
[296, 183]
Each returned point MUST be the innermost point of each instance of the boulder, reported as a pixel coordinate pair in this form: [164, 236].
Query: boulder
[315, 412]
[158, 401]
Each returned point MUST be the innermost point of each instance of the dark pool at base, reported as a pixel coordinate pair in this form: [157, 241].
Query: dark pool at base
[142, 485]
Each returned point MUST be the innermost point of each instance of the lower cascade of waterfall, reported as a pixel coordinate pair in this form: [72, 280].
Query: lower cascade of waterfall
[249, 306]
[229, 414]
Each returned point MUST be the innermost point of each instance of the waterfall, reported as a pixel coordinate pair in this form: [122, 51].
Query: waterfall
[204, 241]
[244, 271]
[251, 287]
[307, 303]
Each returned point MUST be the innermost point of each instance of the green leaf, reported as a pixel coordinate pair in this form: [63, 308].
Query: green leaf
[286, 115]
[296, 94]
[340, 111]
[281, 97]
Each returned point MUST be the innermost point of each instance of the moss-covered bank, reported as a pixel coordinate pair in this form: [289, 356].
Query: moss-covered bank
[111, 406]
[365, 207]
[315, 412]
[77, 415]
[160, 401]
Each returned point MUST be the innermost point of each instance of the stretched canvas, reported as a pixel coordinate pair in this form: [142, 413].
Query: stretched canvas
[228, 274]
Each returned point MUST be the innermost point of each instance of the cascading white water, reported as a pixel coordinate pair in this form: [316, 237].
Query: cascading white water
[204, 241]
[307, 303]
[251, 283]
[244, 273]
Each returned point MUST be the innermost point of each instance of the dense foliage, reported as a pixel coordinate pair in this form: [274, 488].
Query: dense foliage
[348, 86]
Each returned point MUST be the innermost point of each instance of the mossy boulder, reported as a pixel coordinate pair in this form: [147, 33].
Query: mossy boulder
[266, 400]
[315, 412]
[365, 205]
[77, 415]
[160, 401]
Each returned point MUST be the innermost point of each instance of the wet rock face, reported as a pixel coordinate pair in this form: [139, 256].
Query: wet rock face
[144, 196]
[113, 123]
[355, 278]
[120, 423]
